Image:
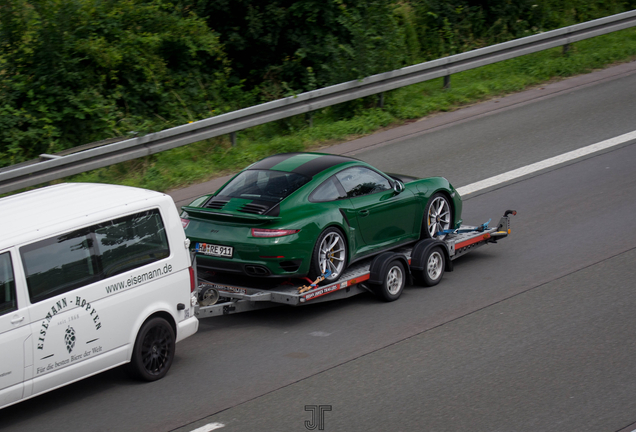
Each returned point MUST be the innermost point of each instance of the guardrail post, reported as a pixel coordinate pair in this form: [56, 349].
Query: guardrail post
[310, 119]
[447, 81]
[566, 49]
[381, 100]
[233, 138]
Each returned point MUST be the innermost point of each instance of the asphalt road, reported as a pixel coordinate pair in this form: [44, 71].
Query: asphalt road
[535, 333]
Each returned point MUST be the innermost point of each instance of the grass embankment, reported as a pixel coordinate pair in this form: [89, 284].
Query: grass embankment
[215, 157]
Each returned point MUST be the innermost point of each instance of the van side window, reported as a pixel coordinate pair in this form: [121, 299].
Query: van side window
[130, 242]
[7, 285]
[60, 264]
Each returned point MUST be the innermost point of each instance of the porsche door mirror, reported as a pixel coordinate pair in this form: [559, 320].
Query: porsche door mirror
[398, 186]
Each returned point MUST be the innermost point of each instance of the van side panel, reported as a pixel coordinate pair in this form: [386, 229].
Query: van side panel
[12, 360]
[102, 318]
[14, 333]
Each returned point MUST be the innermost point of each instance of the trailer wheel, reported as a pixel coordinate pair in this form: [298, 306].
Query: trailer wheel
[153, 351]
[434, 264]
[393, 282]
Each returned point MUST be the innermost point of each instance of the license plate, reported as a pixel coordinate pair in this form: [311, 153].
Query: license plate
[215, 250]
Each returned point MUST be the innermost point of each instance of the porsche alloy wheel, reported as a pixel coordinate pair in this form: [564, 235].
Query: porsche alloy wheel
[438, 216]
[330, 255]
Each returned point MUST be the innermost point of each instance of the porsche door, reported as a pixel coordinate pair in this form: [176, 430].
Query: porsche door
[384, 216]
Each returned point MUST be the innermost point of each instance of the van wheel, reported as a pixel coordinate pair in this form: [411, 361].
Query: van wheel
[154, 350]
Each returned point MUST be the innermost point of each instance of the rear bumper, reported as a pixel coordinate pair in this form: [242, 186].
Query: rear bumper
[187, 328]
[279, 267]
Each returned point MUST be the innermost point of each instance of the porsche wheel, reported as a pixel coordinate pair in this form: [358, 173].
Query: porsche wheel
[330, 253]
[438, 216]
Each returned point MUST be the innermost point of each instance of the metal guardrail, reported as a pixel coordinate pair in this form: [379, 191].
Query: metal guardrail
[13, 178]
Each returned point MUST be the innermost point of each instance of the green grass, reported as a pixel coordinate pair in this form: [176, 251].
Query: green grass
[216, 157]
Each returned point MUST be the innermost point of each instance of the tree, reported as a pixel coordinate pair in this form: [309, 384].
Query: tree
[76, 71]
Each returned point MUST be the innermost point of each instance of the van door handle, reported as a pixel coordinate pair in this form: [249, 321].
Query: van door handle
[16, 320]
[364, 213]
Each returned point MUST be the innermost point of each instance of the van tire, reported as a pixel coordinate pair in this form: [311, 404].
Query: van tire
[154, 350]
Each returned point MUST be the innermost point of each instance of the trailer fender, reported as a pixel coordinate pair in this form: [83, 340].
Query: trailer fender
[379, 267]
[420, 251]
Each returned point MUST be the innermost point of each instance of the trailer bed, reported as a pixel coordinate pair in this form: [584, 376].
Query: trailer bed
[229, 295]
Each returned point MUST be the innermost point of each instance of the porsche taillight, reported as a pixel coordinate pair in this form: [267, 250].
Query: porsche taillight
[267, 233]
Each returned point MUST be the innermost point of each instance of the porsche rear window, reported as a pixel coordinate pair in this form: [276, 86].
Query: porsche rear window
[265, 185]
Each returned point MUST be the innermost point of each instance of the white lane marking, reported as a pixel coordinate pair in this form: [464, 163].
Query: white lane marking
[529, 169]
[209, 427]
[320, 334]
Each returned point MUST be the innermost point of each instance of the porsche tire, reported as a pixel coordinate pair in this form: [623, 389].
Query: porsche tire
[330, 252]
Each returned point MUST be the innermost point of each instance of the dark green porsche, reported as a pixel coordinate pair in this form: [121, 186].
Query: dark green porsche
[307, 214]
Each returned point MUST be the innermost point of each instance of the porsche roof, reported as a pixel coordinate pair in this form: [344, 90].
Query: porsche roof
[308, 164]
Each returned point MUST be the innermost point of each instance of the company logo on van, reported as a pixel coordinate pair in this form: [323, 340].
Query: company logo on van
[62, 305]
[69, 338]
[140, 278]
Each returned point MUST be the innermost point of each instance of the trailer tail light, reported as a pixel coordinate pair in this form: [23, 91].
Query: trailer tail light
[193, 282]
[267, 233]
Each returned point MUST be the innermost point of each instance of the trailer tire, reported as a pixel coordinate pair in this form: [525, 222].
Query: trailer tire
[393, 281]
[153, 351]
[434, 264]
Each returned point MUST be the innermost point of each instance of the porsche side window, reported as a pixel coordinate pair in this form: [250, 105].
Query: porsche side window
[328, 191]
[360, 181]
[7, 285]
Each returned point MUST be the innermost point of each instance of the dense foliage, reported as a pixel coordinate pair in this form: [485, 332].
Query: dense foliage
[77, 71]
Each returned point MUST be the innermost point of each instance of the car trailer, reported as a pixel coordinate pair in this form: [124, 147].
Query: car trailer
[385, 274]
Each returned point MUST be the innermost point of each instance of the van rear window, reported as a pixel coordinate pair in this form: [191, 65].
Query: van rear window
[63, 263]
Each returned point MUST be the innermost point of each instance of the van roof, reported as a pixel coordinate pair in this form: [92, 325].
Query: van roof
[63, 205]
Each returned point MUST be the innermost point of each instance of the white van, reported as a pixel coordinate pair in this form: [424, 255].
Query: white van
[92, 276]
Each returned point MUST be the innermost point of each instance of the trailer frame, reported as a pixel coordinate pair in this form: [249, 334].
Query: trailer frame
[369, 275]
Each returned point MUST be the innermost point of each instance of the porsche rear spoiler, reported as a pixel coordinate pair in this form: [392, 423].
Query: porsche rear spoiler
[233, 216]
